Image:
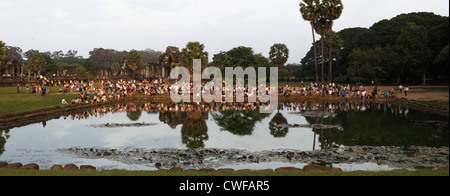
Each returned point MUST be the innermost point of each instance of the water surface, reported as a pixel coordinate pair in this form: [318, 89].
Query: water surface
[147, 126]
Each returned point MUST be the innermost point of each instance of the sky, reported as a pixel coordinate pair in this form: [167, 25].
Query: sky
[82, 25]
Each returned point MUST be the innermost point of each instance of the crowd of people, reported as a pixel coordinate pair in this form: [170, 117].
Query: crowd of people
[96, 91]
[104, 90]
[346, 92]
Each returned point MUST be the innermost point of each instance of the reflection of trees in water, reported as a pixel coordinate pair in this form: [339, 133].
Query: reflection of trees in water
[134, 115]
[194, 130]
[173, 119]
[327, 136]
[276, 126]
[238, 122]
[375, 127]
[362, 124]
[4, 135]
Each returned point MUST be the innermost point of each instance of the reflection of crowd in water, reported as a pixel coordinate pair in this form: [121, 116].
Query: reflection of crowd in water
[347, 106]
[207, 107]
[165, 107]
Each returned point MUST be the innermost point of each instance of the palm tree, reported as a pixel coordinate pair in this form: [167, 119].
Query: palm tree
[194, 50]
[310, 12]
[116, 68]
[279, 54]
[322, 27]
[333, 11]
[134, 61]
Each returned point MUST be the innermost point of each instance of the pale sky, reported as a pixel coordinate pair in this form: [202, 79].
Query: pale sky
[51, 25]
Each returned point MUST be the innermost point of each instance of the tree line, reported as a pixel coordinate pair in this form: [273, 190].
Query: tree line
[49, 63]
[407, 49]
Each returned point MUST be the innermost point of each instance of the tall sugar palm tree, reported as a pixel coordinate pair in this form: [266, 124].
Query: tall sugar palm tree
[194, 50]
[332, 11]
[322, 27]
[134, 61]
[279, 54]
[310, 12]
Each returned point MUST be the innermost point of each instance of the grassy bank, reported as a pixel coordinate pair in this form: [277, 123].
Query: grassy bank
[12, 102]
[18, 172]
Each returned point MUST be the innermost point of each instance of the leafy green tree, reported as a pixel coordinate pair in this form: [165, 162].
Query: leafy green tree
[134, 60]
[150, 56]
[357, 60]
[89, 67]
[29, 54]
[369, 64]
[2, 51]
[83, 72]
[415, 39]
[11, 54]
[106, 57]
[37, 63]
[194, 50]
[410, 43]
[71, 54]
[442, 60]
[310, 12]
[237, 57]
[279, 54]
[241, 57]
[57, 54]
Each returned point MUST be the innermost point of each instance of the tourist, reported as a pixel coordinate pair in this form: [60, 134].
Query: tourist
[27, 88]
[406, 90]
[42, 90]
[18, 89]
[64, 102]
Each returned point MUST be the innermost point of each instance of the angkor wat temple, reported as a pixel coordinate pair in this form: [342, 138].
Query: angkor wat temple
[167, 61]
[12, 73]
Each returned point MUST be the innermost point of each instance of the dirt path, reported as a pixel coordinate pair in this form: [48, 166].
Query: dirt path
[427, 93]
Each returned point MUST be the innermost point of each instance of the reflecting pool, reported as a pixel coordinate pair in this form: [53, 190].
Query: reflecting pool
[138, 136]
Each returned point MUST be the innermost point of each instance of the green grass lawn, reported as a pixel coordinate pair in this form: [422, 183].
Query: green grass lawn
[11, 102]
[422, 89]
